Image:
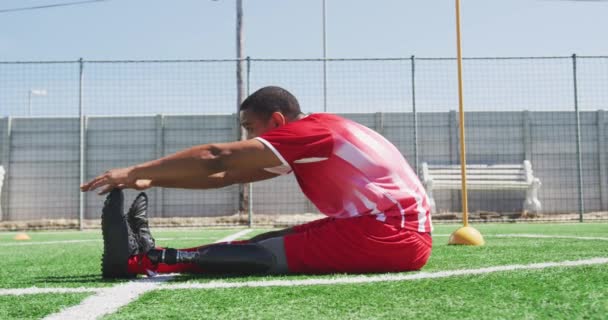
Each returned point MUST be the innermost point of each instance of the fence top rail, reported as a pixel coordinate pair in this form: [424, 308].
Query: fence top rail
[344, 114]
[41, 62]
[112, 116]
[296, 59]
[592, 57]
[122, 61]
[498, 58]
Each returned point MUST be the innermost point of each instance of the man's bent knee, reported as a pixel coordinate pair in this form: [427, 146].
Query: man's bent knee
[277, 247]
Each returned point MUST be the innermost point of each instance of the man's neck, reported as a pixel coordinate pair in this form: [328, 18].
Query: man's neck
[298, 117]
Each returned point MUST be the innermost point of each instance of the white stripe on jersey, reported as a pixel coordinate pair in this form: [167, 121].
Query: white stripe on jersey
[371, 206]
[351, 209]
[275, 151]
[422, 216]
[310, 160]
[401, 210]
[356, 157]
[351, 154]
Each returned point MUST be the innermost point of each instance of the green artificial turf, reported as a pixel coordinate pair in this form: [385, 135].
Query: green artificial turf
[556, 293]
[36, 306]
[75, 264]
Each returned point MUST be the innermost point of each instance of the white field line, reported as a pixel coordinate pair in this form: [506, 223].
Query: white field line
[75, 231]
[235, 236]
[35, 243]
[31, 243]
[384, 277]
[36, 290]
[515, 235]
[540, 236]
[548, 236]
[108, 301]
[321, 281]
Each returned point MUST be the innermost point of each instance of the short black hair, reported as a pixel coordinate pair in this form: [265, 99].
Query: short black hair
[271, 99]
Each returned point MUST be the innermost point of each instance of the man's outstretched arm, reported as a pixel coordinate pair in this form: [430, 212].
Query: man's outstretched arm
[200, 164]
[217, 180]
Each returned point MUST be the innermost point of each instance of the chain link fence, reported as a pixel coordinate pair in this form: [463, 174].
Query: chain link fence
[65, 122]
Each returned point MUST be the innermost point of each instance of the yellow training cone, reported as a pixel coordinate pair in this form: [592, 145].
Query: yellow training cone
[22, 236]
[467, 236]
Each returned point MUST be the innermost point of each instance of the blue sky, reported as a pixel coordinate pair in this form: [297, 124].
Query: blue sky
[204, 29]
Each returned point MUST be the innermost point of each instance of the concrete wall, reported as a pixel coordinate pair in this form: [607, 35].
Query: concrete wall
[42, 158]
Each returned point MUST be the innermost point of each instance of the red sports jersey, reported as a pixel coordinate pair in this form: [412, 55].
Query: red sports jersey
[349, 170]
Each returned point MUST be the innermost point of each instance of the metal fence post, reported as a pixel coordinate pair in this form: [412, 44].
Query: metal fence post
[455, 196]
[6, 162]
[527, 136]
[240, 94]
[81, 195]
[379, 122]
[601, 150]
[414, 114]
[250, 204]
[324, 57]
[581, 203]
[159, 152]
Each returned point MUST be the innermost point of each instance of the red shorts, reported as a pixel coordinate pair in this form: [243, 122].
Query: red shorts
[355, 245]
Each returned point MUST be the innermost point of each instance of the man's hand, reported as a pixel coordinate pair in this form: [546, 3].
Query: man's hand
[116, 178]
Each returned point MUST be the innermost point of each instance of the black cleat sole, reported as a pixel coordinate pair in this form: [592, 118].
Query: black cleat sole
[116, 244]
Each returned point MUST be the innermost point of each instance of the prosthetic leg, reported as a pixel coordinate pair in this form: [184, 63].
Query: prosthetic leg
[249, 258]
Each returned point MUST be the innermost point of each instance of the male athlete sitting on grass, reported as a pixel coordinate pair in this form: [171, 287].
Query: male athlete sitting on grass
[378, 212]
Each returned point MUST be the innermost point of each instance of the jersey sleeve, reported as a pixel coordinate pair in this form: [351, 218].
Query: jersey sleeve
[299, 142]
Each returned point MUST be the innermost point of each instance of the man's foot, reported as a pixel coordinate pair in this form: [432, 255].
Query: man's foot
[118, 241]
[138, 221]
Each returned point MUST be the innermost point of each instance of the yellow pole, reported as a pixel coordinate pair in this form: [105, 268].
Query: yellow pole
[465, 235]
[463, 157]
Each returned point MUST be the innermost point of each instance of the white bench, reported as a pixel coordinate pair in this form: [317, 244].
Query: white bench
[484, 177]
[1, 182]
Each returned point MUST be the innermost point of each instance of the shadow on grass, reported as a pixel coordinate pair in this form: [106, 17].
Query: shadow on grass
[184, 277]
[215, 276]
[84, 279]
[264, 276]
[96, 278]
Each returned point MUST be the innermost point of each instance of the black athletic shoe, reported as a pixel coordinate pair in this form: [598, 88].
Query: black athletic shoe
[118, 241]
[138, 221]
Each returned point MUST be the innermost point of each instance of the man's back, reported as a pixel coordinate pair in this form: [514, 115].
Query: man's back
[349, 170]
